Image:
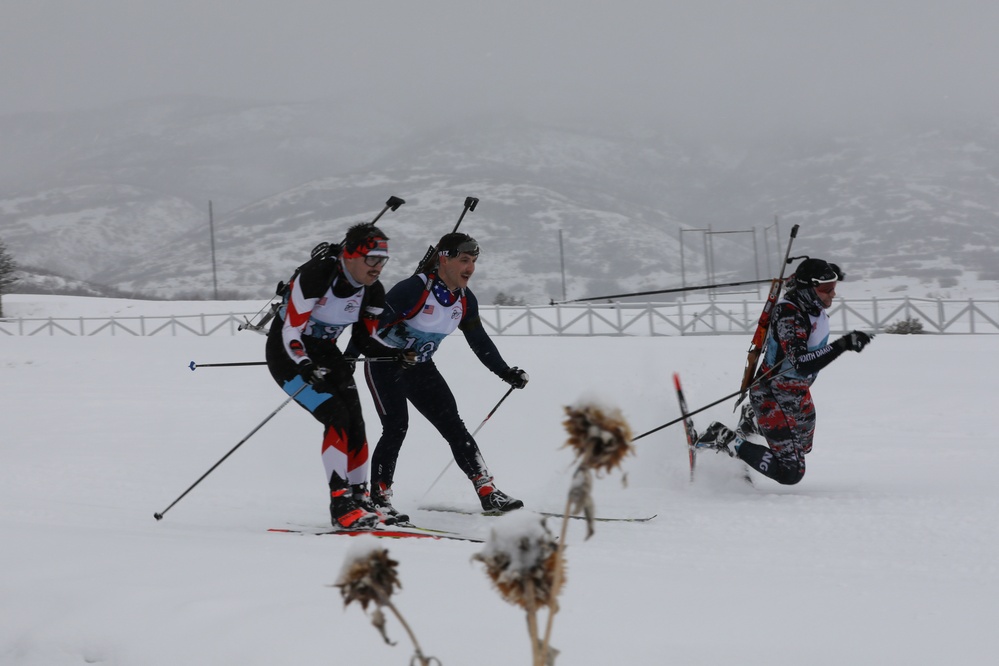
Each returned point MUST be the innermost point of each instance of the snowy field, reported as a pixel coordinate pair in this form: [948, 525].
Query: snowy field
[886, 552]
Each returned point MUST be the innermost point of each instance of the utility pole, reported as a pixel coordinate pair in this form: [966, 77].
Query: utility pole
[211, 230]
[712, 278]
[561, 254]
[683, 266]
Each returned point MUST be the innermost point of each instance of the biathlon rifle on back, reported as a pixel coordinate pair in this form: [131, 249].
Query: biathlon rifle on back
[429, 259]
[322, 250]
[763, 326]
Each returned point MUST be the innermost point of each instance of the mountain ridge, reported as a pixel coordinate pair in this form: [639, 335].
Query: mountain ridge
[609, 204]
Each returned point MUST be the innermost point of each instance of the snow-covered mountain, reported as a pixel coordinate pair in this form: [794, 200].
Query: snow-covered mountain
[120, 197]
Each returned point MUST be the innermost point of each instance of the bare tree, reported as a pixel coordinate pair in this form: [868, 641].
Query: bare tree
[7, 268]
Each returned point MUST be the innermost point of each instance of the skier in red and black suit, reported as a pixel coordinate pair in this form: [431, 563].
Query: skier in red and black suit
[420, 312]
[796, 348]
[329, 294]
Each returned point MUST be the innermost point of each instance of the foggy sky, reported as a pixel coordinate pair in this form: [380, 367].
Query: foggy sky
[702, 65]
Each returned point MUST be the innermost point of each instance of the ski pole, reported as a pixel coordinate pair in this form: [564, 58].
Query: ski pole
[449, 462]
[194, 365]
[159, 515]
[659, 291]
[716, 402]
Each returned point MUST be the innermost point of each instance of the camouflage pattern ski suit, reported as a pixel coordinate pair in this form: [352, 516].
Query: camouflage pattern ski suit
[798, 344]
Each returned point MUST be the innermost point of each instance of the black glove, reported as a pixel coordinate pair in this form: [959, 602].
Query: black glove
[515, 377]
[313, 374]
[406, 358]
[853, 341]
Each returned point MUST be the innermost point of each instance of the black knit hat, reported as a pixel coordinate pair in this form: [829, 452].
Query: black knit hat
[811, 272]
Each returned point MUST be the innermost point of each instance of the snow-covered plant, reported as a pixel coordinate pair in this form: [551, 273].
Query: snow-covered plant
[601, 439]
[521, 558]
[599, 434]
[369, 576]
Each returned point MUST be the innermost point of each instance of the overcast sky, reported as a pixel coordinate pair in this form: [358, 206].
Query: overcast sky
[708, 64]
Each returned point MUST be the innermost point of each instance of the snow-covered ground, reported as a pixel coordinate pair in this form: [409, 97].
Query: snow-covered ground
[886, 552]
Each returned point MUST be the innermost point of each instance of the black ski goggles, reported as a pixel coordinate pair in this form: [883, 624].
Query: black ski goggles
[469, 247]
[831, 273]
[375, 260]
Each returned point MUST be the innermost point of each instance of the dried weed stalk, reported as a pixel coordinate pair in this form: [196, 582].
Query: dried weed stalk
[521, 562]
[371, 577]
[601, 439]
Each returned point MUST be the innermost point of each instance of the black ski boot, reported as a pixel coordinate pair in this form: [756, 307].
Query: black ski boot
[747, 422]
[382, 499]
[363, 498]
[716, 437]
[493, 499]
[345, 512]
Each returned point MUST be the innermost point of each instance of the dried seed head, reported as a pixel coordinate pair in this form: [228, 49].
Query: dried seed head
[369, 577]
[520, 559]
[601, 437]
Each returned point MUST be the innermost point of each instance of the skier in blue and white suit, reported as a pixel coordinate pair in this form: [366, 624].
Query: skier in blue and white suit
[797, 347]
[420, 312]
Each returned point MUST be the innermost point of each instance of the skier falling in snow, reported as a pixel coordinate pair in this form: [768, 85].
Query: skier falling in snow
[796, 348]
[329, 294]
[421, 311]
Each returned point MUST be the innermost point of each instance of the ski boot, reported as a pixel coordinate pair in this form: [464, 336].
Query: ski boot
[493, 499]
[364, 499]
[346, 513]
[747, 422]
[381, 497]
[717, 437]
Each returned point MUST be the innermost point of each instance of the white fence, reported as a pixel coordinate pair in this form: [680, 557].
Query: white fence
[636, 319]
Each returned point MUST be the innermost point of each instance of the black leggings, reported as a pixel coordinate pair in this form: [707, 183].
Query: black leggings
[424, 387]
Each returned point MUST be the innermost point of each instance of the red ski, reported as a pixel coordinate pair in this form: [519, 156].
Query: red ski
[387, 533]
[688, 424]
